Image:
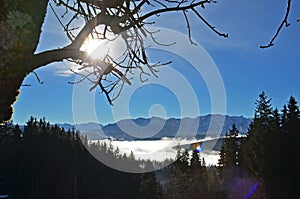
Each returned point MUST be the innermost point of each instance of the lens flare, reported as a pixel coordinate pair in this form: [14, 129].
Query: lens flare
[251, 191]
[196, 147]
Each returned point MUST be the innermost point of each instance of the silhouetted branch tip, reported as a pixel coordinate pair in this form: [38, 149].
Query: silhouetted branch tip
[37, 77]
[284, 22]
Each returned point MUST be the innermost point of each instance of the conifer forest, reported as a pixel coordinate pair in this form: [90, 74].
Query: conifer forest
[46, 161]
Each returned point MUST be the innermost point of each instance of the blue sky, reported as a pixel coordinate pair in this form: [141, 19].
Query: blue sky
[245, 69]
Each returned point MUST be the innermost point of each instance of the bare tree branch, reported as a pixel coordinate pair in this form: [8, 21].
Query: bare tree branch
[208, 24]
[119, 18]
[284, 22]
[37, 77]
[188, 27]
[50, 56]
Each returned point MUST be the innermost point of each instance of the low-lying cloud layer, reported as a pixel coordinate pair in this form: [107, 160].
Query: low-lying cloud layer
[160, 150]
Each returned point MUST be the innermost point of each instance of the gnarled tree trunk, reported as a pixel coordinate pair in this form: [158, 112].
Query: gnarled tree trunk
[20, 28]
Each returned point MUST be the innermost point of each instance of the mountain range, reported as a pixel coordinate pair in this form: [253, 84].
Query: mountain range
[157, 128]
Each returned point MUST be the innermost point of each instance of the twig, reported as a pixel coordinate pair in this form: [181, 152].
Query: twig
[188, 27]
[62, 25]
[37, 77]
[284, 21]
[208, 24]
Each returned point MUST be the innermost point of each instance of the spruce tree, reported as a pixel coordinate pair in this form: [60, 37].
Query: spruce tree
[232, 147]
[229, 149]
[283, 119]
[253, 150]
[150, 188]
[293, 143]
[179, 176]
[273, 174]
[222, 154]
[228, 161]
[198, 183]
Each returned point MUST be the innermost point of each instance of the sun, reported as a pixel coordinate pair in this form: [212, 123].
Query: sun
[100, 48]
[90, 45]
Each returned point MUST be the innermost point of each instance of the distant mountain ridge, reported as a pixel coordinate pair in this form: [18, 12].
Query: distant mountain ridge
[162, 127]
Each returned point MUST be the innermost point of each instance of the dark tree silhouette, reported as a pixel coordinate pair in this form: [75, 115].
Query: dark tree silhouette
[270, 150]
[228, 164]
[229, 149]
[150, 188]
[293, 141]
[254, 147]
[198, 176]
[45, 161]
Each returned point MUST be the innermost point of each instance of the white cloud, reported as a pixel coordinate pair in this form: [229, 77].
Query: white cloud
[160, 150]
[63, 69]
